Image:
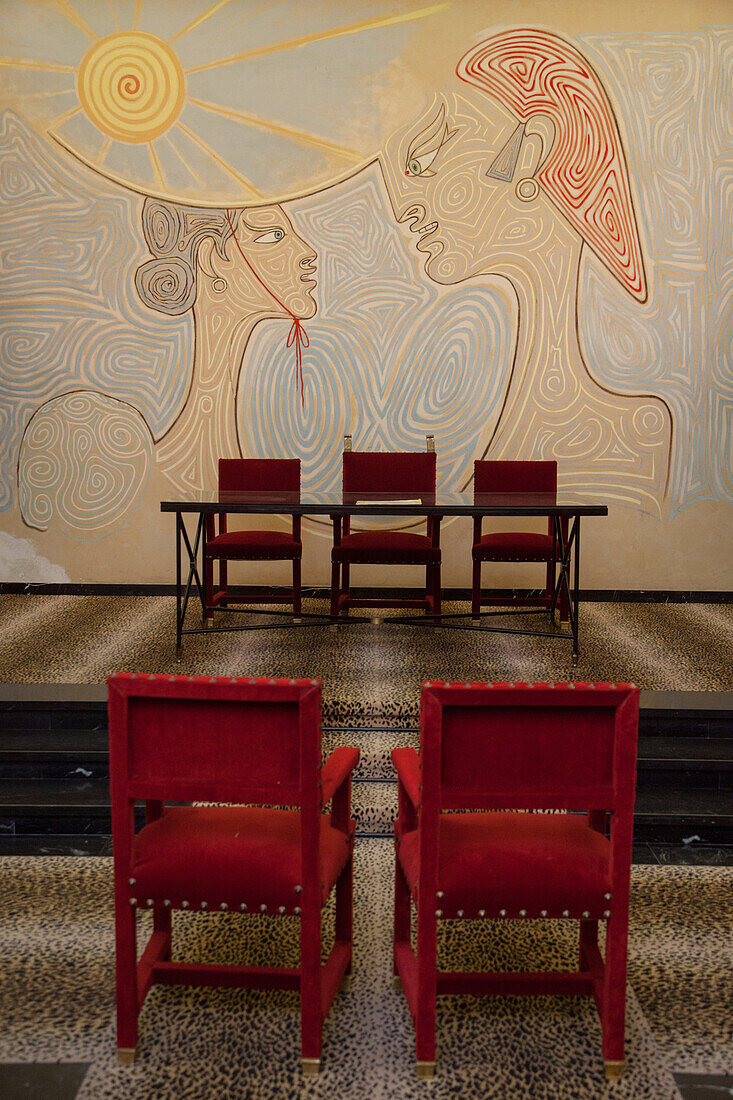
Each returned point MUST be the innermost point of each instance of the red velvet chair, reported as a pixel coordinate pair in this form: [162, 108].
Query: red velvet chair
[381, 475]
[252, 475]
[524, 747]
[254, 742]
[513, 477]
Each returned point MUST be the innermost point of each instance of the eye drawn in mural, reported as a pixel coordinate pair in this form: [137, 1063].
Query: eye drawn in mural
[514, 180]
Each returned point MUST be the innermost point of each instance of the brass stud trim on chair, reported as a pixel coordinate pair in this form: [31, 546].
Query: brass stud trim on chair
[167, 903]
[502, 912]
[281, 909]
[151, 903]
[243, 907]
[184, 905]
[523, 912]
[607, 897]
[606, 914]
[133, 901]
[263, 908]
[297, 910]
[543, 913]
[224, 905]
[439, 912]
[204, 905]
[132, 882]
[459, 913]
[566, 912]
[299, 889]
[482, 912]
[586, 914]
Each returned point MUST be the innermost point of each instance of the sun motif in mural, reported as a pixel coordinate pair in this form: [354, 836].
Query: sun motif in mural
[217, 110]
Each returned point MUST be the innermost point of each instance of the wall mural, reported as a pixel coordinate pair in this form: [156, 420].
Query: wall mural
[210, 248]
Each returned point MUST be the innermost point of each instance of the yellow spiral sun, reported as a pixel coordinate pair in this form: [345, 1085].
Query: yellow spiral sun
[131, 86]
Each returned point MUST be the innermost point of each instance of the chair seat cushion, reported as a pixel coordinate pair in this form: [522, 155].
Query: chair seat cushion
[254, 546]
[513, 546]
[514, 861]
[386, 547]
[231, 854]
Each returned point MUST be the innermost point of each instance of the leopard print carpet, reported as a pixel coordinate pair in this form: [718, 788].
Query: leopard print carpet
[57, 998]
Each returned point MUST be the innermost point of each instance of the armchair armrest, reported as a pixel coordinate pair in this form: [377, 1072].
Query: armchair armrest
[337, 768]
[407, 765]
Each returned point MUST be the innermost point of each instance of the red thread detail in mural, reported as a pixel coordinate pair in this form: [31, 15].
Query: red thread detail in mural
[297, 335]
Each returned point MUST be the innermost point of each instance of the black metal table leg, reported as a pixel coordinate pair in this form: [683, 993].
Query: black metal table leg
[193, 574]
[576, 590]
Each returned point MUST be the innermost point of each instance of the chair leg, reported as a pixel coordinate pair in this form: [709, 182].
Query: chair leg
[427, 947]
[126, 979]
[162, 923]
[401, 912]
[613, 1015]
[310, 988]
[346, 582]
[296, 589]
[208, 587]
[476, 590]
[437, 594]
[344, 922]
[335, 578]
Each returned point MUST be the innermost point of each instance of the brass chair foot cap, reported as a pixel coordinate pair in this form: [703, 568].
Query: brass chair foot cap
[126, 1056]
[426, 1069]
[310, 1066]
[297, 620]
[208, 623]
[614, 1070]
[346, 983]
[397, 982]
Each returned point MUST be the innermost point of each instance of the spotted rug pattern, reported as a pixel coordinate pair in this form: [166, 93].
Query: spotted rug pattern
[371, 674]
[57, 997]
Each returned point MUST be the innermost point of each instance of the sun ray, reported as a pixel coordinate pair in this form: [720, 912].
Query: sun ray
[43, 95]
[286, 131]
[106, 146]
[76, 19]
[136, 17]
[189, 169]
[29, 63]
[61, 119]
[201, 19]
[219, 160]
[321, 36]
[156, 166]
[114, 15]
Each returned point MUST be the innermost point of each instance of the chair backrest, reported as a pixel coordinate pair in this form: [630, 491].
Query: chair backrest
[249, 475]
[222, 739]
[529, 746]
[515, 477]
[389, 472]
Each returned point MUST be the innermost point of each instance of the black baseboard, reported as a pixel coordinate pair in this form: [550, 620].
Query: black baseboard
[589, 595]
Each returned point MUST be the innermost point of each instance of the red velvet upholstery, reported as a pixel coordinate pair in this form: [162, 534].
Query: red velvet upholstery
[254, 743]
[251, 475]
[513, 477]
[381, 474]
[489, 749]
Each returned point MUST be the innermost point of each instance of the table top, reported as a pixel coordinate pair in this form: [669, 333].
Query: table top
[442, 503]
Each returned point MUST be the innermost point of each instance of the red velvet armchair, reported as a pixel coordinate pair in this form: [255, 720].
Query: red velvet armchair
[255, 743]
[252, 475]
[381, 475]
[513, 477]
[523, 747]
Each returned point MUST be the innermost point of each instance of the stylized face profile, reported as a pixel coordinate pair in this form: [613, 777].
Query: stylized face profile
[444, 177]
[277, 257]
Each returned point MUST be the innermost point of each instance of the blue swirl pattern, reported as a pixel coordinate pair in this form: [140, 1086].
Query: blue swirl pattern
[71, 316]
